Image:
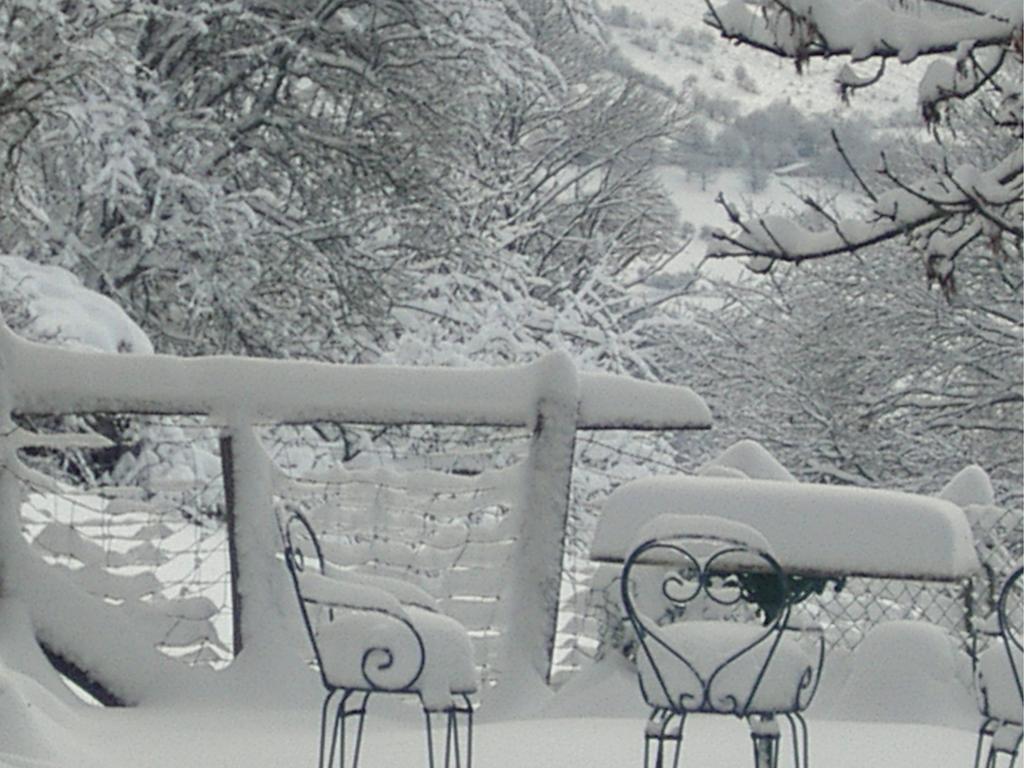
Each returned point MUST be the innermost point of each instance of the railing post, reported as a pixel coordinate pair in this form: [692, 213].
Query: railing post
[227, 464]
[260, 597]
[10, 489]
[531, 609]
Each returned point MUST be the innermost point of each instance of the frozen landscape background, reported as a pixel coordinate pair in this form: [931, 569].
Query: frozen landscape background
[473, 186]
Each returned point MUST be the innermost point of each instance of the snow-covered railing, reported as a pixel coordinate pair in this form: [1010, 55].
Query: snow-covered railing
[45, 380]
[549, 398]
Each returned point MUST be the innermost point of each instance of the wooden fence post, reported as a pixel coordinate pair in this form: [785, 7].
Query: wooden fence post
[531, 610]
[260, 595]
[227, 464]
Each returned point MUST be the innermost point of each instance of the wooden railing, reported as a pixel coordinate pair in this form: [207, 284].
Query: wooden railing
[549, 398]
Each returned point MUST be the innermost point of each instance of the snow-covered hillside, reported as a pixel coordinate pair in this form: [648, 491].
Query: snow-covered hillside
[669, 40]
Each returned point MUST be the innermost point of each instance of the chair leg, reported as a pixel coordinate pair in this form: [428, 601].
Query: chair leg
[451, 739]
[798, 729]
[327, 716]
[796, 739]
[430, 738]
[1001, 744]
[678, 738]
[466, 710]
[458, 738]
[339, 737]
[460, 747]
[1016, 747]
[984, 731]
[764, 732]
[360, 714]
[663, 727]
[805, 739]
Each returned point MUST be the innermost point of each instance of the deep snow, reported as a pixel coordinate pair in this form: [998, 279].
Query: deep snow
[606, 732]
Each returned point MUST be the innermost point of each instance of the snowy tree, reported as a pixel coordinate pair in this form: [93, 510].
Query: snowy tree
[246, 177]
[851, 371]
[332, 180]
[410, 182]
[944, 205]
[559, 215]
[99, 176]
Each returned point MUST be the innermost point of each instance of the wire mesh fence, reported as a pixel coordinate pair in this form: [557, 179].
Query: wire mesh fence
[589, 616]
[393, 514]
[142, 525]
[847, 610]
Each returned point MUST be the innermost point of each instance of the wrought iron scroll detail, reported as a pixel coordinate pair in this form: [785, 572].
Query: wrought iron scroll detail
[303, 550]
[694, 577]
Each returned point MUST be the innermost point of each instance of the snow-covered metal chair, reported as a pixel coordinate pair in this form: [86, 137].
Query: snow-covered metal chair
[705, 646]
[374, 635]
[998, 680]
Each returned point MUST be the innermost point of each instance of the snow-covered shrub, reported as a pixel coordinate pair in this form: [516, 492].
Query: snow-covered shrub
[48, 304]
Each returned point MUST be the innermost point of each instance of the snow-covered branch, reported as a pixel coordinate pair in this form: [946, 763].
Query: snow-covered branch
[865, 29]
[975, 59]
[942, 217]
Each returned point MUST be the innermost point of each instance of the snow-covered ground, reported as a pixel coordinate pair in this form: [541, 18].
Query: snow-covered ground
[900, 704]
[598, 725]
[697, 205]
[268, 739]
[668, 41]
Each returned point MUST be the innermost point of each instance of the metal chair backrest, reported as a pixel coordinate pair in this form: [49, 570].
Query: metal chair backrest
[390, 658]
[1010, 619]
[716, 570]
[301, 551]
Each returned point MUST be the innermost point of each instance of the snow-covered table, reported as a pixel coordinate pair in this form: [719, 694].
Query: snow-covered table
[816, 530]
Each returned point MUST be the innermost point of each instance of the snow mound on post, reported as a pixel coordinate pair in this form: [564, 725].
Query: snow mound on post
[751, 459]
[969, 487]
[60, 309]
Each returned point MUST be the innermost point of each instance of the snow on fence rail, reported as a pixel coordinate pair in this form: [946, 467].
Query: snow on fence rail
[236, 395]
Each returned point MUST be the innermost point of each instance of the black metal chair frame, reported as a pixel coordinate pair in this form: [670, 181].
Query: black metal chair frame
[1010, 639]
[343, 704]
[665, 725]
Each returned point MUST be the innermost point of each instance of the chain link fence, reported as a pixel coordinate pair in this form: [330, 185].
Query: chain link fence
[847, 611]
[392, 512]
[141, 525]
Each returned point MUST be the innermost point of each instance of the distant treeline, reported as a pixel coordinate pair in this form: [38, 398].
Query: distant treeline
[772, 138]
